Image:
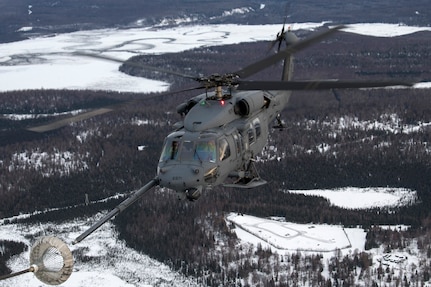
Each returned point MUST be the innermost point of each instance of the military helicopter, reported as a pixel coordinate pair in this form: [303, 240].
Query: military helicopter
[222, 130]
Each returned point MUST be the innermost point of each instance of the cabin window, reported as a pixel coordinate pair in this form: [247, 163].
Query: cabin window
[257, 128]
[224, 149]
[237, 140]
[250, 136]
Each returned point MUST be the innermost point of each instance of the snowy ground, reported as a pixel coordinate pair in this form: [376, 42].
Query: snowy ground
[47, 62]
[113, 263]
[329, 240]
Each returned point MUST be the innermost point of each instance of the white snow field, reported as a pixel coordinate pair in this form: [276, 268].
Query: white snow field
[280, 235]
[360, 198]
[49, 62]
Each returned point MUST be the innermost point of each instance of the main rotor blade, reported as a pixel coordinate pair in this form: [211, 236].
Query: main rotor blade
[293, 48]
[317, 85]
[56, 124]
[119, 208]
[66, 121]
[136, 65]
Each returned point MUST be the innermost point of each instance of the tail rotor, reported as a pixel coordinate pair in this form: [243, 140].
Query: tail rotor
[284, 36]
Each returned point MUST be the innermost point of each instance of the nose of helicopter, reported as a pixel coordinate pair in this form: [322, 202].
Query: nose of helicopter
[188, 179]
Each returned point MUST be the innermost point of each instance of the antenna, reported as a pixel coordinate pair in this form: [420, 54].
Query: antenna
[50, 260]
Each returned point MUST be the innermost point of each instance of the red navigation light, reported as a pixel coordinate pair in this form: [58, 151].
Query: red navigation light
[222, 102]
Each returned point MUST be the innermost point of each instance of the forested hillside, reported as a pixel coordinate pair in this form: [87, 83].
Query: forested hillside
[46, 17]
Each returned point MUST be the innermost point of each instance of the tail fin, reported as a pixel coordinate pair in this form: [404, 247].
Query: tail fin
[287, 68]
[289, 38]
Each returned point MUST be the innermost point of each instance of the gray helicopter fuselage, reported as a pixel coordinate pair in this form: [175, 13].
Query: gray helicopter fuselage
[217, 139]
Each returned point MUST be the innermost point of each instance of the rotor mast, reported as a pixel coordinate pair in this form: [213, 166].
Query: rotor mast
[219, 92]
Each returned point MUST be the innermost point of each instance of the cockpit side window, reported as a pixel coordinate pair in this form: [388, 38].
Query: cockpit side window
[224, 149]
[170, 150]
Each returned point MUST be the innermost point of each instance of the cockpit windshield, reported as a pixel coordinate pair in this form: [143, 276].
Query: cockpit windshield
[186, 150]
[206, 150]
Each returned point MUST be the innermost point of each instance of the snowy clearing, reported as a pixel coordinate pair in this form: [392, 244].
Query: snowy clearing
[280, 235]
[361, 198]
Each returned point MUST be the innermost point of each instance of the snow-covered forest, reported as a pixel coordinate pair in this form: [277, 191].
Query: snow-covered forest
[346, 138]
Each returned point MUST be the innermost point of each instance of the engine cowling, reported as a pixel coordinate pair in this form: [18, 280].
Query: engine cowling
[249, 104]
[184, 108]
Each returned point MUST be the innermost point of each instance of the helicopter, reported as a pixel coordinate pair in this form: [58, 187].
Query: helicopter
[223, 129]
